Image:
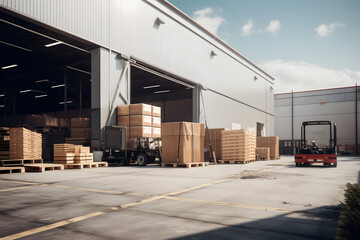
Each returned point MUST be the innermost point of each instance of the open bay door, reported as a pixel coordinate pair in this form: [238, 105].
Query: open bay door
[178, 97]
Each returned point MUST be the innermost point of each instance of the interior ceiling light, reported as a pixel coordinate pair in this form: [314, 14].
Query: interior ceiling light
[153, 86]
[16, 46]
[41, 96]
[9, 66]
[57, 86]
[66, 102]
[1, 106]
[2, 95]
[25, 91]
[53, 44]
[164, 91]
[40, 81]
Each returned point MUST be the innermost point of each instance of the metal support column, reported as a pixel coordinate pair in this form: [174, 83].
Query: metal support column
[292, 121]
[356, 121]
[80, 100]
[196, 104]
[65, 92]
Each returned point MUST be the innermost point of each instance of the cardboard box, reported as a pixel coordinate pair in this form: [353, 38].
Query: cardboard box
[156, 122]
[123, 110]
[140, 120]
[140, 131]
[187, 147]
[264, 153]
[140, 109]
[269, 142]
[123, 121]
[215, 136]
[238, 145]
[156, 111]
[156, 132]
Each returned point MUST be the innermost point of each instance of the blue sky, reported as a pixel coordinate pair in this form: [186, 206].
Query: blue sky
[304, 44]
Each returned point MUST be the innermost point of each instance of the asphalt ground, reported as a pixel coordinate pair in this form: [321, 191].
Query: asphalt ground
[261, 200]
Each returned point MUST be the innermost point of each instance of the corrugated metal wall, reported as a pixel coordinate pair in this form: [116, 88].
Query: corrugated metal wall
[335, 105]
[127, 27]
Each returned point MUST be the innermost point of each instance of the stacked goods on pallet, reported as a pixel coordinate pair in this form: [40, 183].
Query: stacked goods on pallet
[141, 120]
[63, 153]
[215, 137]
[25, 144]
[80, 130]
[4, 143]
[264, 153]
[269, 142]
[238, 146]
[36, 148]
[68, 154]
[182, 142]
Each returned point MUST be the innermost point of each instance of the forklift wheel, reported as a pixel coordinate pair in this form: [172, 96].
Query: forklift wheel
[141, 159]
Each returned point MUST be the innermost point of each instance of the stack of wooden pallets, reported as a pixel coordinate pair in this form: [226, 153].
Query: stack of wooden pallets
[238, 146]
[36, 145]
[21, 143]
[75, 156]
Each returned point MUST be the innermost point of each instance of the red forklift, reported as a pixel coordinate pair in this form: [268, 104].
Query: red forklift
[310, 153]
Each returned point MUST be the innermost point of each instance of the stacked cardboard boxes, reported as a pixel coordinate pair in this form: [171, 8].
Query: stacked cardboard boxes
[141, 120]
[215, 136]
[25, 144]
[80, 131]
[70, 154]
[4, 143]
[264, 153]
[182, 142]
[238, 146]
[269, 142]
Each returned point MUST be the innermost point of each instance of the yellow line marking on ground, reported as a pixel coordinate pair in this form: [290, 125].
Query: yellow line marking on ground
[230, 204]
[112, 209]
[22, 182]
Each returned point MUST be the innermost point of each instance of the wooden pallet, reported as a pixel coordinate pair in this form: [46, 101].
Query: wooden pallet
[86, 165]
[18, 162]
[9, 170]
[43, 167]
[237, 161]
[264, 159]
[186, 165]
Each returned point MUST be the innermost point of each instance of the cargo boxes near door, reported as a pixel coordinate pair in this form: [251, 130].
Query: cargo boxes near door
[141, 120]
[269, 142]
[182, 142]
[238, 146]
[80, 130]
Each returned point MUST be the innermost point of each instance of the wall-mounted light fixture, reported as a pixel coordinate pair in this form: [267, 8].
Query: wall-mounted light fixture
[255, 78]
[212, 54]
[271, 89]
[158, 22]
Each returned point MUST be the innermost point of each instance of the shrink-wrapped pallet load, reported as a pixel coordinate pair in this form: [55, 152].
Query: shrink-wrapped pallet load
[182, 142]
[269, 142]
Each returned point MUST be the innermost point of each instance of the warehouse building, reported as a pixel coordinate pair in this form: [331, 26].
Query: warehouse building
[338, 105]
[83, 58]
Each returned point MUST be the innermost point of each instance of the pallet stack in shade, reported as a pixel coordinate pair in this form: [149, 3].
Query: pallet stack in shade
[80, 130]
[25, 144]
[269, 142]
[215, 137]
[238, 146]
[4, 143]
[141, 120]
[65, 153]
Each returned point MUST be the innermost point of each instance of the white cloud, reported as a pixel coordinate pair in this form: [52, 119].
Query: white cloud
[302, 76]
[274, 26]
[246, 29]
[206, 18]
[324, 30]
